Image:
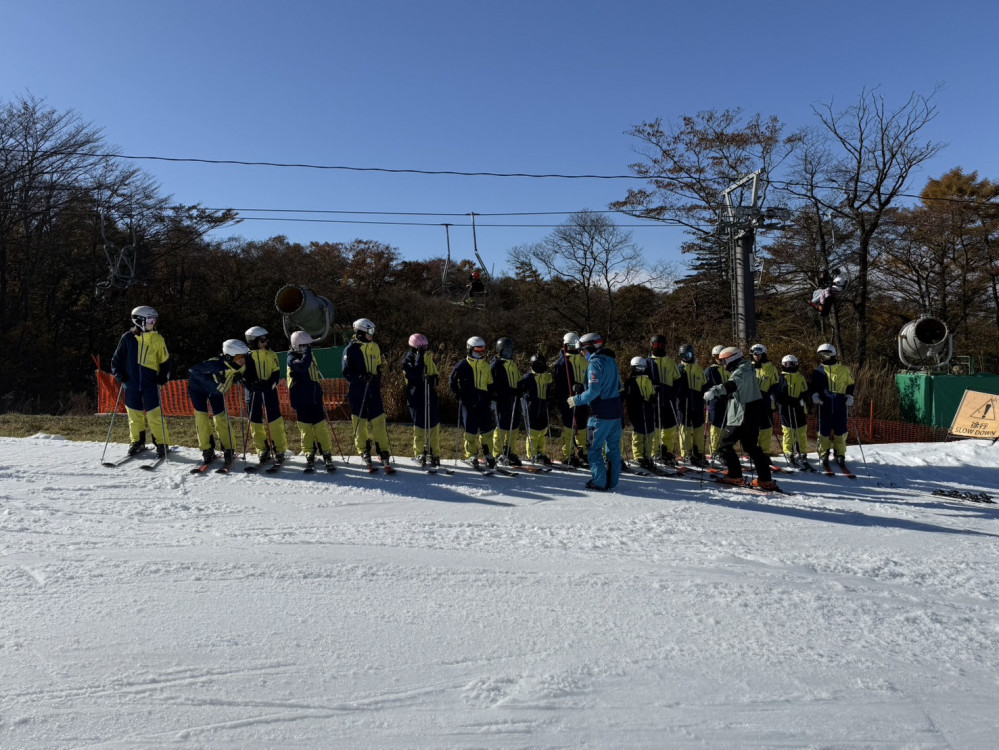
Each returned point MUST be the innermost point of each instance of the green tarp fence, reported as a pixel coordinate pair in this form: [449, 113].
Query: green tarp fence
[933, 399]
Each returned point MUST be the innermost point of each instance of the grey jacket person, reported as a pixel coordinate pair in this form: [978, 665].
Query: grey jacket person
[742, 389]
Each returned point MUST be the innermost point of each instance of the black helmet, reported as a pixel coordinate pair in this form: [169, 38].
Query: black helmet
[686, 353]
[658, 345]
[538, 363]
[504, 347]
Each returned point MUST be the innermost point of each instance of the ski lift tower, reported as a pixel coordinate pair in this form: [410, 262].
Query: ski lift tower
[742, 222]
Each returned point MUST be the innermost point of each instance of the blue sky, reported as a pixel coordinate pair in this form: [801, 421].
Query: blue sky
[539, 87]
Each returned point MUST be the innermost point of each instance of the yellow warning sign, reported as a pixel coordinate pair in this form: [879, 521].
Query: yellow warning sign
[977, 416]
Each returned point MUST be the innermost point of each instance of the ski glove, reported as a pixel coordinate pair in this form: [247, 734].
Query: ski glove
[816, 399]
[571, 401]
[849, 400]
[710, 396]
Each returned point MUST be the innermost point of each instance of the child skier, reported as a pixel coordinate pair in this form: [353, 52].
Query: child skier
[715, 374]
[767, 377]
[746, 411]
[536, 387]
[305, 391]
[422, 377]
[207, 385]
[640, 405]
[506, 381]
[831, 386]
[690, 406]
[362, 362]
[568, 377]
[141, 363]
[261, 379]
[791, 392]
[666, 379]
[471, 382]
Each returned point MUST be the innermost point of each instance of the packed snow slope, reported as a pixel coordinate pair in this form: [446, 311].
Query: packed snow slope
[160, 609]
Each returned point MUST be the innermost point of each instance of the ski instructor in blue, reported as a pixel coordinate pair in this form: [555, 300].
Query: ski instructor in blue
[603, 396]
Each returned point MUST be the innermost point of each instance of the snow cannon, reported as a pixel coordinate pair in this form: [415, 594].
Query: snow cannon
[922, 344]
[302, 309]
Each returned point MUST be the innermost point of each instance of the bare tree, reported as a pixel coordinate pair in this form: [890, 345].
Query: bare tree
[857, 164]
[580, 265]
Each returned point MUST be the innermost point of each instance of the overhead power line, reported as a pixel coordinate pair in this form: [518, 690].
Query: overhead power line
[345, 167]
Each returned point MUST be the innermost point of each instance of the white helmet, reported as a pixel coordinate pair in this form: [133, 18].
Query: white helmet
[826, 351]
[252, 334]
[716, 350]
[571, 341]
[730, 356]
[300, 340]
[363, 325]
[475, 347]
[144, 317]
[757, 349]
[232, 348]
[639, 363]
[789, 362]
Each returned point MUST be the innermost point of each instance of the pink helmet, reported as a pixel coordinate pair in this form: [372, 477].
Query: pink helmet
[418, 340]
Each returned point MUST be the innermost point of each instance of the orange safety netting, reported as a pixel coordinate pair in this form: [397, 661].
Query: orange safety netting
[176, 403]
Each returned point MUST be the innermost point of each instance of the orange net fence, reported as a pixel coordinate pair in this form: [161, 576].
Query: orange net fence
[176, 403]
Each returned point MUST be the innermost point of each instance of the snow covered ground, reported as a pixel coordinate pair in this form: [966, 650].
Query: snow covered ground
[163, 609]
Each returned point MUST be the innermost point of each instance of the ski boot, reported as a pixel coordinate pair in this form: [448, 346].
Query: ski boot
[228, 456]
[542, 459]
[264, 456]
[646, 463]
[584, 460]
[514, 459]
[279, 457]
[420, 460]
[328, 460]
[730, 480]
[435, 461]
[490, 461]
[826, 466]
[161, 450]
[573, 461]
[697, 459]
[310, 460]
[759, 484]
[208, 455]
[139, 445]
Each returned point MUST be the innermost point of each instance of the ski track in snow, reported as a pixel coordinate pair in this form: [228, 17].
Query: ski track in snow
[354, 610]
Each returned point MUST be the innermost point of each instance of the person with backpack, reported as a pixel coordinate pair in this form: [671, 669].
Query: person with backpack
[639, 404]
[506, 380]
[831, 385]
[536, 387]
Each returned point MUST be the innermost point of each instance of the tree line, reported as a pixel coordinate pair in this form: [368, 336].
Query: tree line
[85, 236]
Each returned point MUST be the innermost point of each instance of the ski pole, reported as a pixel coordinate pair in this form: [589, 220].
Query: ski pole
[460, 433]
[527, 427]
[159, 397]
[117, 402]
[329, 422]
[253, 396]
[856, 434]
[426, 419]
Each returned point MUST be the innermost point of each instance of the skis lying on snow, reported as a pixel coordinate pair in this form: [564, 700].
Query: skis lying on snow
[974, 497]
